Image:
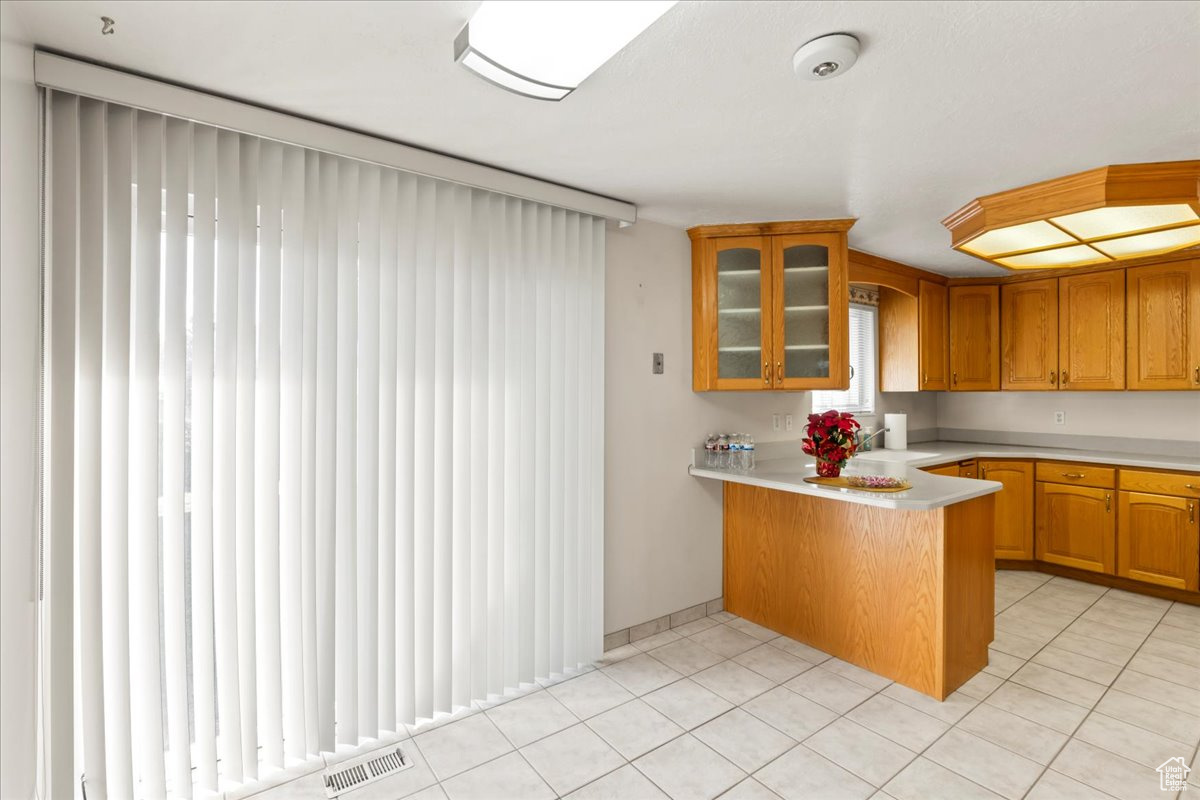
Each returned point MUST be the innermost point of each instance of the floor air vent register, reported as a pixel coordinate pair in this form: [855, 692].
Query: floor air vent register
[364, 770]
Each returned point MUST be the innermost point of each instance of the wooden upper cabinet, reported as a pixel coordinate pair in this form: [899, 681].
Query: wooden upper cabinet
[1014, 507]
[810, 311]
[974, 338]
[1076, 527]
[1029, 335]
[1163, 306]
[933, 336]
[770, 306]
[1091, 331]
[1158, 540]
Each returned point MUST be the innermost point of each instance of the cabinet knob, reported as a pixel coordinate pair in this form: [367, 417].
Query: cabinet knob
[1053, 378]
[1064, 378]
[766, 373]
[954, 378]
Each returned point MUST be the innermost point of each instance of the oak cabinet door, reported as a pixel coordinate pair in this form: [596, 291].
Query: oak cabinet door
[1029, 335]
[1158, 540]
[933, 337]
[1091, 332]
[1014, 507]
[810, 311]
[1163, 305]
[1076, 527]
[951, 470]
[975, 338]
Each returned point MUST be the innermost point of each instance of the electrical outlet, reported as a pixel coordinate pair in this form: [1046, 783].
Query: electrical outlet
[774, 422]
[787, 422]
[1060, 418]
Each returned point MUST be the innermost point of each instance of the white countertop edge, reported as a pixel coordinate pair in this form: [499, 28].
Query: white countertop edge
[969, 451]
[922, 497]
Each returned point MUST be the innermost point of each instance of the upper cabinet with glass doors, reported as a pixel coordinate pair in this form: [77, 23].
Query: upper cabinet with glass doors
[770, 306]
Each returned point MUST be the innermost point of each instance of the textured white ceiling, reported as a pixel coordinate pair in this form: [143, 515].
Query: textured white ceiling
[700, 120]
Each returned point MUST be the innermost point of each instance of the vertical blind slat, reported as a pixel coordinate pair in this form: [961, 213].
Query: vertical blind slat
[387, 309]
[266, 458]
[368, 452]
[459, 448]
[291, 394]
[174, 385]
[204, 230]
[346, 423]
[225, 621]
[88, 436]
[143, 455]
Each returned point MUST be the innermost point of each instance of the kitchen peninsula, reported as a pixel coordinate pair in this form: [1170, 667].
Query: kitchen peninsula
[899, 583]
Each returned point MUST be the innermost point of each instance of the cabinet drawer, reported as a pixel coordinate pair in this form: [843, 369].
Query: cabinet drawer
[1180, 484]
[1076, 474]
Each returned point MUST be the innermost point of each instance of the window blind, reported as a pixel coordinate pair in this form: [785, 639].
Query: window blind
[328, 444]
[859, 398]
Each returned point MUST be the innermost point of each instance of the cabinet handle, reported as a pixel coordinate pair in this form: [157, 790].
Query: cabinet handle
[1197, 374]
[1191, 486]
[954, 378]
[1053, 378]
[1072, 474]
[766, 373]
[982, 473]
[1107, 502]
[1191, 513]
[925, 379]
[779, 372]
[1064, 378]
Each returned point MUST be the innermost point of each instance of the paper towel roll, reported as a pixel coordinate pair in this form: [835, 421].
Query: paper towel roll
[896, 437]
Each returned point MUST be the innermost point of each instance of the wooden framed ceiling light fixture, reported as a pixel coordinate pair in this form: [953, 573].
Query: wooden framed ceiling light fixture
[1100, 216]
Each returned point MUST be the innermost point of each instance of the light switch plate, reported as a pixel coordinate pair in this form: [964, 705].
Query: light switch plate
[656, 364]
[787, 422]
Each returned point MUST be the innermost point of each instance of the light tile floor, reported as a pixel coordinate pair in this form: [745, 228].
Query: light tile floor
[1087, 691]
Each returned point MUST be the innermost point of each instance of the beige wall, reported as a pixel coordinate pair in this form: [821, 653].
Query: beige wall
[18, 405]
[662, 526]
[1152, 415]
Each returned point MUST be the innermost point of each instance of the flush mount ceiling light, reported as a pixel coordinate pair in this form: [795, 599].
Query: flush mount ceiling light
[1094, 217]
[826, 57]
[546, 48]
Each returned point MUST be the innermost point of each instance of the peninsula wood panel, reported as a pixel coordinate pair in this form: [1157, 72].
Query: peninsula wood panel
[1091, 334]
[974, 338]
[905, 594]
[1076, 527]
[1158, 540]
[1029, 335]
[1163, 307]
[933, 336]
[1014, 507]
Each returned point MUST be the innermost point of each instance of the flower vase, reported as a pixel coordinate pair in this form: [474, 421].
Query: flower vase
[829, 469]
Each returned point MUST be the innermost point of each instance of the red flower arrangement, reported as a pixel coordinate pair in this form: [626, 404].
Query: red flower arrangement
[830, 437]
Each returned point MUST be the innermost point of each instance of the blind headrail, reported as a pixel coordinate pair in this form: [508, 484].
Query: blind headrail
[115, 86]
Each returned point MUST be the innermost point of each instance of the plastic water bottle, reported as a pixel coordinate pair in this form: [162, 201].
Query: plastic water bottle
[723, 450]
[710, 450]
[748, 452]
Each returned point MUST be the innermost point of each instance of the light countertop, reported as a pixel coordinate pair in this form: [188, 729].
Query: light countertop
[782, 466]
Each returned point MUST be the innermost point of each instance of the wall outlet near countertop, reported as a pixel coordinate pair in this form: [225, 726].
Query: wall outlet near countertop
[1060, 418]
[787, 422]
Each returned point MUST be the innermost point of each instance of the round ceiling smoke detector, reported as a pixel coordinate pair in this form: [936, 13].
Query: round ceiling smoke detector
[826, 57]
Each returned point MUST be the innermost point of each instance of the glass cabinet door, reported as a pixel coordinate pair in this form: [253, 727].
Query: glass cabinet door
[742, 328]
[811, 306]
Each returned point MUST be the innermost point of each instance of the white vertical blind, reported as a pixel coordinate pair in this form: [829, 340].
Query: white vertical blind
[335, 434]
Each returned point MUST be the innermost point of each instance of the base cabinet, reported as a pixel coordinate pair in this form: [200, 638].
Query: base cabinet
[1014, 507]
[1076, 527]
[1158, 540]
